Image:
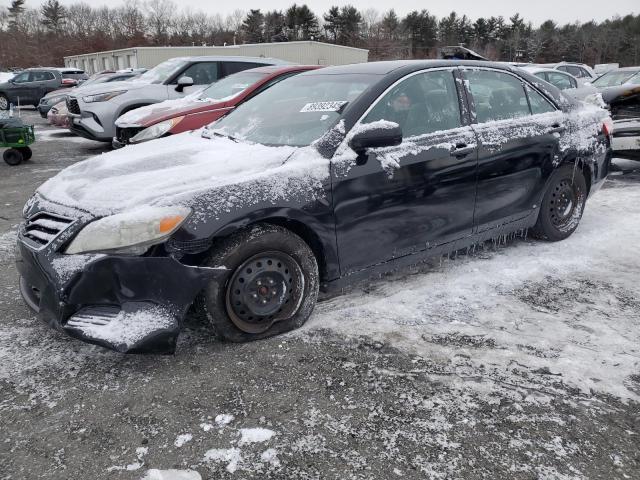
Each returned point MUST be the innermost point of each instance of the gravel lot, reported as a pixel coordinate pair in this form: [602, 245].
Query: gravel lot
[520, 360]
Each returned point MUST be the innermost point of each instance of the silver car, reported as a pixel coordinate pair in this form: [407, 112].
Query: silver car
[94, 109]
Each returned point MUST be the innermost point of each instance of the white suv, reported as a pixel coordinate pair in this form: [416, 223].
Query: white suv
[94, 109]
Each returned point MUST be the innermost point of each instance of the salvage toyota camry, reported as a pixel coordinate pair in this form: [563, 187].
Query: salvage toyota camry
[325, 178]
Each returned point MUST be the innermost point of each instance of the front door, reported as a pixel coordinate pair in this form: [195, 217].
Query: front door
[401, 200]
[19, 94]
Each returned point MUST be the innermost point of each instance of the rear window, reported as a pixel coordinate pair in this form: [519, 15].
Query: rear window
[79, 75]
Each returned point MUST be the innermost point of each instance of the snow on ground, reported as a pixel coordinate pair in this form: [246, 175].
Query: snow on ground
[567, 310]
[155, 474]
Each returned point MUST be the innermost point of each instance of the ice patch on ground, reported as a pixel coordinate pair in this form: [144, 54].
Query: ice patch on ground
[155, 474]
[255, 435]
[8, 243]
[231, 456]
[183, 439]
[224, 419]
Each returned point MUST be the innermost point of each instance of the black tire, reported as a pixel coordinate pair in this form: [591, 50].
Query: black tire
[271, 286]
[4, 102]
[13, 157]
[27, 153]
[562, 205]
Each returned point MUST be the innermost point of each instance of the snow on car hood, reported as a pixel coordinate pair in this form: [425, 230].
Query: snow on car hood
[109, 87]
[138, 116]
[211, 176]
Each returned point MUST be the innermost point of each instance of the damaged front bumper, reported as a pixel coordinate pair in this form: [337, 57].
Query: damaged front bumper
[128, 304]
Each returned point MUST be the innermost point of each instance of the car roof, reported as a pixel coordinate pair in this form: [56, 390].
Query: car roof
[230, 58]
[388, 66]
[272, 69]
[536, 69]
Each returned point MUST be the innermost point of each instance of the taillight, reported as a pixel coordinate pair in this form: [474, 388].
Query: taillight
[607, 127]
[69, 81]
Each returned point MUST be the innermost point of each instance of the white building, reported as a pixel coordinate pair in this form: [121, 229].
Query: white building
[305, 52]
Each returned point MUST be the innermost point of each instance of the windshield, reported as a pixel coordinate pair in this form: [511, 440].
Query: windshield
[230, 86]
[162, 72]
[296, 111]
[611, 79]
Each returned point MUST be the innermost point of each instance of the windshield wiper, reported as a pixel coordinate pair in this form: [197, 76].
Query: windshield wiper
[207, 134]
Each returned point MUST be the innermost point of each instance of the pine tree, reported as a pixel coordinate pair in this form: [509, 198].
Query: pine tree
[332, 23]
[253, 26]
[53, 15]
[15, 10]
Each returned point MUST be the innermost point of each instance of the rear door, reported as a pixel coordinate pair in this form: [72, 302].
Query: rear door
[42, 82]
[518, 134]
[402, 200]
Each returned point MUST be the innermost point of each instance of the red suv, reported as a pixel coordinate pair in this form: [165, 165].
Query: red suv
[201, 108]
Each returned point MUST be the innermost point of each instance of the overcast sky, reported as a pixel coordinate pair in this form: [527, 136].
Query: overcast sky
[561, 11]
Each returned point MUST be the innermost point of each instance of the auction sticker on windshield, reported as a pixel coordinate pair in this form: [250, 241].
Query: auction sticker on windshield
[324, 106]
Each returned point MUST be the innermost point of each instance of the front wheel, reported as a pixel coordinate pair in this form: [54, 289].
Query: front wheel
[271, 285]
[4, 102]
[562, 205]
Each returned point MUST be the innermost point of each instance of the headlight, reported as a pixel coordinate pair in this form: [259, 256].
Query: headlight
[156, 131]
[102, 97]
[129, 233]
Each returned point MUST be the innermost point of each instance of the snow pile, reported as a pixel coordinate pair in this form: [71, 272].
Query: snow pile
[255, 435]
[183, 439]
[563, 311]
[231, 456]
[126, 328]
[155, 474]
[215, 174]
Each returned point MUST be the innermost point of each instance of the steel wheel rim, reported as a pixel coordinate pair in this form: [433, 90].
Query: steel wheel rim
[564, 204]
[265, 289]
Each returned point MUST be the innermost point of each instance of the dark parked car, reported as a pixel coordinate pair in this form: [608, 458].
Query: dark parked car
[621, 91]
[56, 96]
[327, 177]
[29, 86]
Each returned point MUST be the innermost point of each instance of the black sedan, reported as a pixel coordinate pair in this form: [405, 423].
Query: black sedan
[325, 178]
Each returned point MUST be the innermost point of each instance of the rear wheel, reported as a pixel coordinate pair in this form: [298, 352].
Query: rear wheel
[27, 153]
[271, 286]
[562, 205]
[12, 156]
[4, 102]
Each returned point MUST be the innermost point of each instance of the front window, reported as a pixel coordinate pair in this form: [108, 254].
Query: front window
[296, 111]
[421, 104]
[560, 80]
[614, 78]
[231, 86]
[162, 72]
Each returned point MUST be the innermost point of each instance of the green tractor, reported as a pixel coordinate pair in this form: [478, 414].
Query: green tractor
[16, 137]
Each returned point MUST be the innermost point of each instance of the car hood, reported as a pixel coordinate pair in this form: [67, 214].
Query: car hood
[209, 175]
[157, 112]
[109, 87]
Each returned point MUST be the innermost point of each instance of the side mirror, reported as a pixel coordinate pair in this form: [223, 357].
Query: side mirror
[184, 82]
[376, 135]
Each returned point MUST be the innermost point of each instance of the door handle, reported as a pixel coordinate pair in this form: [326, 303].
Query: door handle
[462, 150]
[556, 128]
